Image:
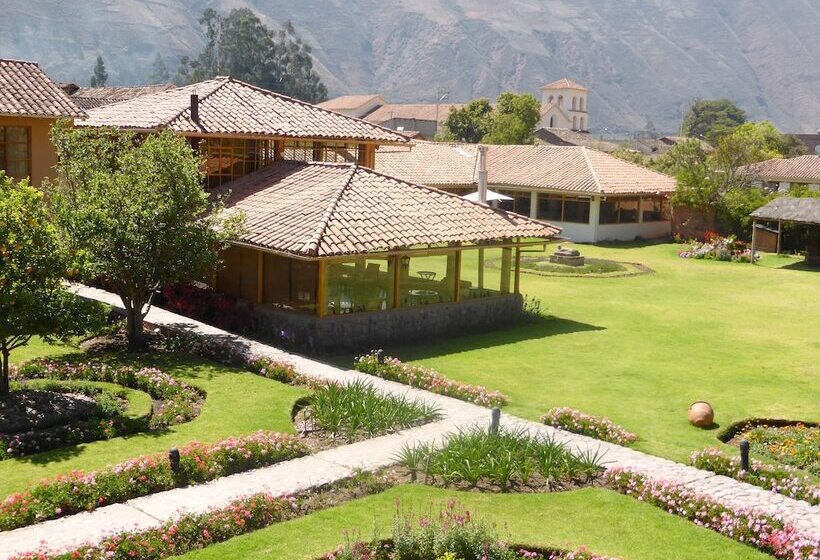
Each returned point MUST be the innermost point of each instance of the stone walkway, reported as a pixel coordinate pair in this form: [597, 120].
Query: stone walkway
[342, 462]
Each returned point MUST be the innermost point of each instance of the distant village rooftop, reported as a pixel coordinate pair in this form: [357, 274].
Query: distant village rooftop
[91, 97]
[26, 91]
[227, 106]
[801, 169]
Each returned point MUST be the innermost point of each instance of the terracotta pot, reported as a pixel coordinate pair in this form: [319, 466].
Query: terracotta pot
[701, 414]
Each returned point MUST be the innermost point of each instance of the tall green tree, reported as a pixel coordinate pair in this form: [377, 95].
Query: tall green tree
[100, 76]
[136, 212]
[240, 45]
[514, 119]
[33, 263]
[712, 119]
[469, 123]
[159, 72]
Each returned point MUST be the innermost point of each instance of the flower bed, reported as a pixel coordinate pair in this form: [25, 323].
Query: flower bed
[766, 533]
[797, 445]
[189, 532]
[781, 479]
[718, 248]
[578, 422]
[428, 379]
[84, 491]
[452, 534]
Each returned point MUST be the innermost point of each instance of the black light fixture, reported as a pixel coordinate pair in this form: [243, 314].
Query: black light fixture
[173, 458]
[195, 108]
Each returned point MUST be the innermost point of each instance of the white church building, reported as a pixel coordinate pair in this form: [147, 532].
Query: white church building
[564, 105]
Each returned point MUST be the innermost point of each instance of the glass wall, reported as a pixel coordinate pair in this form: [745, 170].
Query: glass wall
[227, 159]
[359, 285]
[562, 208]
[520, 203]
[339, 152]
[485, 272]
[427, 279]
[619, 211]
[654, 209]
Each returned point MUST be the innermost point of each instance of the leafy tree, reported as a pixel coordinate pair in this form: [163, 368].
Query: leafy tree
[33, 262]
[712, 119]
[136, 212]
[240, 45]
[159, 72]
[513, 120]
[469, 123]
[681, 156]
[632, 156]
[752, 142]
[100, 76]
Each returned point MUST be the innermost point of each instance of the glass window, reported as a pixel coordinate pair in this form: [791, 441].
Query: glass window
[15, 158]
[549, 207]
[427, 279]
[576, 210]
[609, 212]
[520, 203]
[485, 272]
[227, 159]
[619, 211]
[359, 285]
[653, 209]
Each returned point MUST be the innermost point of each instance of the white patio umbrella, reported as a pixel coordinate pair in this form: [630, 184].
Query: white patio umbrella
[491, 196]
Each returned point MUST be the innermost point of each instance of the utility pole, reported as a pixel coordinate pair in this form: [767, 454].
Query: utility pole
[441, 95]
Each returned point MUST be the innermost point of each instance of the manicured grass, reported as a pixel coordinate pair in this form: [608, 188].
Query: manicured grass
[237, 403]
[602, 520]
[641, 349]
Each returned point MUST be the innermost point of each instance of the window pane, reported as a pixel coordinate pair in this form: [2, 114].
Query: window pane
[652, 209]
[426, 280]
[17, 134]
[18, 169]
[576, 210]
[549, 208]
[480, 273]
[359, 285]
[609, 212]
[628, 211]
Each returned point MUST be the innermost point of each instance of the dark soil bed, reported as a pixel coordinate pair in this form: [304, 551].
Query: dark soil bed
[27, 409]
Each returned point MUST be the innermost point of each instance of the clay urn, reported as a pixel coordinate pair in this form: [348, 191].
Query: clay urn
[701, 414]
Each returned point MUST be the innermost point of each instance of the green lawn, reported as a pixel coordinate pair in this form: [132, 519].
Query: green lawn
[640, 349]
[602, 520]
[238, 403]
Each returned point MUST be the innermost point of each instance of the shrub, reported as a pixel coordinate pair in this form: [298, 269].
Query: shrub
[84, 491]
[358, 409]
[189, 532]
[718, 248]
[428, 379]
[766, 533]
[505, 460]
[781, 479]
[797, 445]
[597, 427]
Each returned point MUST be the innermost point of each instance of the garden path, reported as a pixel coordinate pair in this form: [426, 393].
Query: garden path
[342, 462]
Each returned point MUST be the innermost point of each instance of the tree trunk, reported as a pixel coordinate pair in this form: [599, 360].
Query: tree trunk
[134, 325]
[4, 378]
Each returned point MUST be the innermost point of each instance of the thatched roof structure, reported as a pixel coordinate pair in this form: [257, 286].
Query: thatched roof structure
[788, 209]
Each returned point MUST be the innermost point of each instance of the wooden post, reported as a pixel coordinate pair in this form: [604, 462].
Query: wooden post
[321, 288]
[396, 281]
[506, 263]
[260, 277]
[481, 268]
[754, 239]
[278, 150]
[779, 232]
[457, 294]
[517, 281]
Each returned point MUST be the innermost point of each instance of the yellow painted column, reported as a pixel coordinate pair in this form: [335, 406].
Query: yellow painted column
[506, 263]
[260, 277]
[517, 282]
[321, 288]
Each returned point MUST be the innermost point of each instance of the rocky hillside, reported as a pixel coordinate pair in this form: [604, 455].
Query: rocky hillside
[642, 60]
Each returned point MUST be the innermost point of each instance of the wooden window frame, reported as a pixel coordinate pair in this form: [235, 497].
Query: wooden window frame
[5, 160]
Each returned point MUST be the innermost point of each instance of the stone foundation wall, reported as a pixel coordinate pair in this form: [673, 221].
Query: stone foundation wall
[362, 332]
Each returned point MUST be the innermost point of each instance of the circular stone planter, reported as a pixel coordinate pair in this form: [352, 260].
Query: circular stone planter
[701, 414]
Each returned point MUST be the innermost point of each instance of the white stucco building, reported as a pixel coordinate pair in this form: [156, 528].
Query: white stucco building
[564, 105]
[591, 195]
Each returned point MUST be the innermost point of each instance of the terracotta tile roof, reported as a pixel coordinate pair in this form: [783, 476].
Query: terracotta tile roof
[800, 169]
[410, 111]
[564, 83]
[26, 91]
[89, 98]
[326, 209]
[348, 102]
[572, 169]
[790, 209]
[567, 137]
[229, 106]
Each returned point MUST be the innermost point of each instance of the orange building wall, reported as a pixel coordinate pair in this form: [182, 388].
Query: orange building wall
[43, 154]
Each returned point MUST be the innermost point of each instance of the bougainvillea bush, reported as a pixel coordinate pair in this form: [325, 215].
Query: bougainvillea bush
[781, 479]
[84, 491]
[578, 422]
[452, 534]
[764, 532]
[425, 378]
[718, 248]
[189, 532]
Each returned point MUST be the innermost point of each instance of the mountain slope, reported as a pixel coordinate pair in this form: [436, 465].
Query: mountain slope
[642, 60]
